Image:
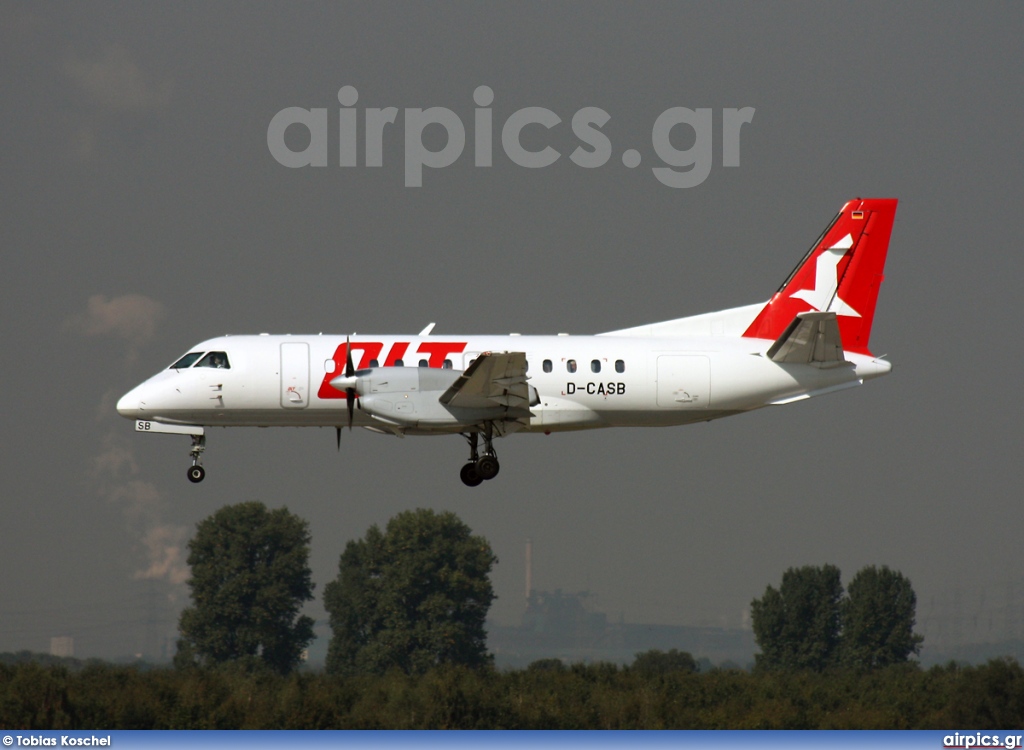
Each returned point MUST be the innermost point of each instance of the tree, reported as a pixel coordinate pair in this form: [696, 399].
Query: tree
[250, 576]
[411, 597]
[878, 619]
[798, 625]
[656, 663]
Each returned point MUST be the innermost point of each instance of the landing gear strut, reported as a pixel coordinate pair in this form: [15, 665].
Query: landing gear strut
[480, 467]
[196, 472]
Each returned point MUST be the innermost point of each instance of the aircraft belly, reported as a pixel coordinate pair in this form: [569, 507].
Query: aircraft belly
[553, 413]
[747, 382]
[257, 417]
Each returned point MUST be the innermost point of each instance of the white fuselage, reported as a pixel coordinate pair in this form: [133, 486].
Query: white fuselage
[583, 382]
[809, 339]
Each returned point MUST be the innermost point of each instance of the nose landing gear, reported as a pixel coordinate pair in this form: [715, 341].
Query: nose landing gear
[481, 467]
[196, 472]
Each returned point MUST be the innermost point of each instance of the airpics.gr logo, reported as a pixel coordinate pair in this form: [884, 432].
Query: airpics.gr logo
[966, 741]
[680, 168]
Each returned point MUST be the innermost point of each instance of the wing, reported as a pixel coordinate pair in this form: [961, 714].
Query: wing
[493, 379]
[812, 338]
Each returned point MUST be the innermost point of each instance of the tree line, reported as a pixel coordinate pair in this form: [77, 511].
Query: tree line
[548, 695]
[415, 596]
[810, 623]
[407, 650]
[410, 597]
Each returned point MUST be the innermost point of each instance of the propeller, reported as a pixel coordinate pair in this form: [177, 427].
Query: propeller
[350, 391]
[347, 382]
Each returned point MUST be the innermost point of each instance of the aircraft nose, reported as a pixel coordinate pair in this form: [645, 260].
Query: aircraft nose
[130, 404]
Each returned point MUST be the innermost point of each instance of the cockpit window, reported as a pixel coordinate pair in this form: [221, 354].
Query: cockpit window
[186, 361]
[218, 360]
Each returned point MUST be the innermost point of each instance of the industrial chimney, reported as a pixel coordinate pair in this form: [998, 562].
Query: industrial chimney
[529, 568]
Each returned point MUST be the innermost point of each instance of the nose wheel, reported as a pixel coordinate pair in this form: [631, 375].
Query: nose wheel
[480, 467]
[196, 472]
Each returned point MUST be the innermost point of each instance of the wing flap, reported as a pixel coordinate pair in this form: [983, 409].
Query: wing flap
[493, 379]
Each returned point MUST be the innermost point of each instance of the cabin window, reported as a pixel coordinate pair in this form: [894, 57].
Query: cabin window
[595, 365]
[374, 363]
[570, 365]
[187, 361]
[423, 363]
[218, 360]
[399, 363]
[547, 365]
[620, 366]
[447, 365]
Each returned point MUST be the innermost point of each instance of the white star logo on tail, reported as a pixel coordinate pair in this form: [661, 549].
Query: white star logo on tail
[826, 279]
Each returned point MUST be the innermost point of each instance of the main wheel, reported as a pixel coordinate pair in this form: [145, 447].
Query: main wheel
[470, 476]
[487, 467]
[196, 473]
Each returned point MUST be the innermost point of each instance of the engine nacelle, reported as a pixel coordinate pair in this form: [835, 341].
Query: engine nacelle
[404, 380]
[410, 397]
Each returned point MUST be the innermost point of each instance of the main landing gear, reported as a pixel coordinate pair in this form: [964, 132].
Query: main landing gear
[196, 472]
[480, 467]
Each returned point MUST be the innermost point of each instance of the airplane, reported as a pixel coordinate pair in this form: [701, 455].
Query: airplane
[809, 339]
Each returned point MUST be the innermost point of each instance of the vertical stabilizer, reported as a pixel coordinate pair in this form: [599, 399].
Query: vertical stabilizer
[841, 273]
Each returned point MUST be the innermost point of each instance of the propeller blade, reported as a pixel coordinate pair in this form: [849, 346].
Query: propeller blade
[349, 369]
[338, 431]
[350, 391]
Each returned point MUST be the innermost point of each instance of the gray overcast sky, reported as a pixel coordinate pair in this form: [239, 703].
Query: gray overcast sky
[142, 212]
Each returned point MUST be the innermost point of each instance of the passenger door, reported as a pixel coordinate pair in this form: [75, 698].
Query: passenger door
[295, 375]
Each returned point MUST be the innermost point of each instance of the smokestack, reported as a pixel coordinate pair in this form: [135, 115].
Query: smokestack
[62, 645]
[529, 568]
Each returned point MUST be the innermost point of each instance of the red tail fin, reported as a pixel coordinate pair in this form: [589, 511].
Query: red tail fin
[842, 273]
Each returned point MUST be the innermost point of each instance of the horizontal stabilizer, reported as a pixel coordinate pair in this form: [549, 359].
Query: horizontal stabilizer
[820, 392]
[812, 338]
